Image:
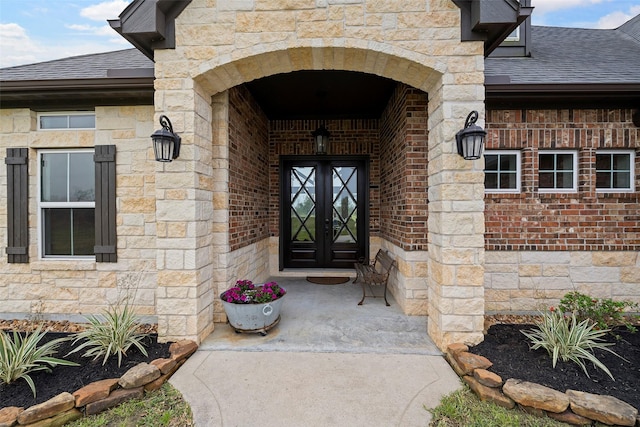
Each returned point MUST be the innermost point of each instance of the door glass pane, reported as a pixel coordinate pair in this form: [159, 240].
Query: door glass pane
[303, 204]
[345, 202]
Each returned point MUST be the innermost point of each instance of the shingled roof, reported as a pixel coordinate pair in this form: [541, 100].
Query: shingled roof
[575, 56]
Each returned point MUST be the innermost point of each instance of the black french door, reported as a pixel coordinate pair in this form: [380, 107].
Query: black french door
[324, 213]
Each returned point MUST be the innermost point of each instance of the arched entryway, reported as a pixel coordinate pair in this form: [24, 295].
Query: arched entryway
[198, 85]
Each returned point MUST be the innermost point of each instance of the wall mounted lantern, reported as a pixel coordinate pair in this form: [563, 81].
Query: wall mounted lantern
[321, 140]
[166, 144]
[471, 139]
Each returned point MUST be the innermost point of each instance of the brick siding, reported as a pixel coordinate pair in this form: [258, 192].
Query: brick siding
[248, 174]
[581, 221]
[404, 171]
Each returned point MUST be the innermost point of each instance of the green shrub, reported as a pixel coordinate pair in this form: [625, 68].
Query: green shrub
[113, 334]
[603, 312]
[569, 340]
[19, 356]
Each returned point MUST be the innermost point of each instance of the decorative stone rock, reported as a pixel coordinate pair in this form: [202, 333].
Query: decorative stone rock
[182, 349]
[139, 375]
[156, 384]
[59, 420]
[165, 365]
[452, 361]
[114, 399]
[532, 411]
[487, 378]
[536, 395]
[457, 348]
[469, 361]
[55, 405]
[606, 409]
[9, 415]
[488, 394]
[95, 391]
[570, 417]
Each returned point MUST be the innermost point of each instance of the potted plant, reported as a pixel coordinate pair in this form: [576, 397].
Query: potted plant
[253, 308]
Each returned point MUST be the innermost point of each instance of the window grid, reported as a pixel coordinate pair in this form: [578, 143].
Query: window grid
[611, 175]
[67, 120]
[557, 172]
[503, 176]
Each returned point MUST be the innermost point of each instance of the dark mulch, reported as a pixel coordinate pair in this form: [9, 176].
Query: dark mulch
[508, 349]
[72, 378]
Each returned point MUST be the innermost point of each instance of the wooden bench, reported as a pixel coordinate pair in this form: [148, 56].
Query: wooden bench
[376, 273]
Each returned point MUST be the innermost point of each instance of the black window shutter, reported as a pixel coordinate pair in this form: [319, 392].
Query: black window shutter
[105, 164]
[17, 205]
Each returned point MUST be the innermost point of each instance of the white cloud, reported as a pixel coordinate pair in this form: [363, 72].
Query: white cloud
[543, 6]
[615, 19]
[102, 31]
[16, 47]
[105, 10]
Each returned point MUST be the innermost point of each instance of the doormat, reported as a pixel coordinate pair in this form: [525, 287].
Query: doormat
[327, 280]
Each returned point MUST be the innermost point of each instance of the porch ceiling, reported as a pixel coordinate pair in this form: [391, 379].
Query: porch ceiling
[323, 94]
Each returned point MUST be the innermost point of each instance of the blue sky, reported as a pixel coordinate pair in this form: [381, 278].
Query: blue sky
[40, 30]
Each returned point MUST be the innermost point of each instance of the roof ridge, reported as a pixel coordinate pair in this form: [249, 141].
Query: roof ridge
[67, 58]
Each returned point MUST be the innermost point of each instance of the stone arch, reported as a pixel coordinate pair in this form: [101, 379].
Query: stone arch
[456, 218]
[407, 67]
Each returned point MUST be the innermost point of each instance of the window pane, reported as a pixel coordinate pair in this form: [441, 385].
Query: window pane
[565, 180]
[546, 180]
[81, 177]
[54, 177]
[508, 181]
[603, 180]
[621, 180]
[621, 162]
[85, 121]
[490, 162]
[508, 162]
[546, 161]
[60, 239]
[57, 231]
[53, 122]
[603, 162]
[564, 162]
[83, 231]
[491, 180]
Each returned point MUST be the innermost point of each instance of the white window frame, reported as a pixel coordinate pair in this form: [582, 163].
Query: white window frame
[574, 186]
[632, 178]
[44, 205]
[516, 190]
[65, 114]
[514, 36]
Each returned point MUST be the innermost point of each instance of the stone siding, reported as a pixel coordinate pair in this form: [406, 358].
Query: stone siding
[527, 281]
[44, 288]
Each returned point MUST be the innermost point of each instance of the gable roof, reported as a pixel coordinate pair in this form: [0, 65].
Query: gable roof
[564, 60]
[112, 78]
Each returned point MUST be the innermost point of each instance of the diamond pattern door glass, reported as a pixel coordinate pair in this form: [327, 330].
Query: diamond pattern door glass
[345, 204]
[303, 204]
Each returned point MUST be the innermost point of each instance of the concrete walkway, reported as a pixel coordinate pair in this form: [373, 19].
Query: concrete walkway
[328, 363]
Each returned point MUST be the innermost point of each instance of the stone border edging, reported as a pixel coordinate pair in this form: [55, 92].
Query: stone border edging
[573, 407]
[100, 395]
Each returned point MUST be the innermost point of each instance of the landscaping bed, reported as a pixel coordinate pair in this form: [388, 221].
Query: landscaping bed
[508, 349]
[71, 378]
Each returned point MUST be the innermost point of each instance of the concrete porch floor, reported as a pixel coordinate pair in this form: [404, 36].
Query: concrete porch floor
[329, 362]
[327, 319]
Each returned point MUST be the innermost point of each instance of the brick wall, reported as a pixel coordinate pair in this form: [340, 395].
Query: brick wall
[248, 170]
[354, 136]
[581, 221]
[404, 172]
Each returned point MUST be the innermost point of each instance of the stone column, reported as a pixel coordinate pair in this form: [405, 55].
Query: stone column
[184, 210]
[456, 221]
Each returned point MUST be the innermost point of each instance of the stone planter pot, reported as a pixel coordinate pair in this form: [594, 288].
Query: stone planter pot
[258, 318]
